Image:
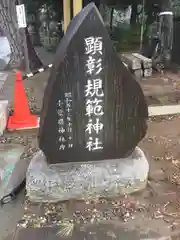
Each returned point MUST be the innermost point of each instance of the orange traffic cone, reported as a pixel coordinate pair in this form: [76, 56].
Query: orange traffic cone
[21, 118]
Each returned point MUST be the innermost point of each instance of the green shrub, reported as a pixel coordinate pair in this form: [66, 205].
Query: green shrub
[126, 39]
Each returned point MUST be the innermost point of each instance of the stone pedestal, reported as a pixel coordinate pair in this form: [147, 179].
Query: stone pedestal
[107, 178]
[138, 74]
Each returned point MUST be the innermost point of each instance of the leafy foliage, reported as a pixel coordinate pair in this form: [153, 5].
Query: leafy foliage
[176, 7]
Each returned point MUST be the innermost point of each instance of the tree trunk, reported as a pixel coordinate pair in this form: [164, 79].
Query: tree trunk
[97, 2]
[166, 32]
[37, 26]
[111, 19]
[133, 13]
[149, 21]
[8, 20]
[34, 61]
[9, 25]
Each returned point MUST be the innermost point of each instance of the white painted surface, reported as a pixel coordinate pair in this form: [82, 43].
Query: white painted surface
[125, 64]
[164, 110]
[153, 111]
[3, 115]
[165, 13]
[157, 110]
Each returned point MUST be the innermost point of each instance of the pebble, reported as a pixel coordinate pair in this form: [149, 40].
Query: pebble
[124, 209]
[163, 118]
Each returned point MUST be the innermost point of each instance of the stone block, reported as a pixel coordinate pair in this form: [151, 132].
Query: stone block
[133, 62]
[3, 115]
[106, 178]
[138, 74]
[125, 65]
[146, 62]
[147, 72]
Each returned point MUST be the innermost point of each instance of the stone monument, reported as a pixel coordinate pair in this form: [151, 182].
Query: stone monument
[93, 116]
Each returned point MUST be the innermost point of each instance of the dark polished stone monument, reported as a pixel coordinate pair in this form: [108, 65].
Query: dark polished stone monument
[93, 108]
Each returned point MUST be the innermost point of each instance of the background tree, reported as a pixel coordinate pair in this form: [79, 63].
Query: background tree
[166, 32]
[9, 27]
[97, 2]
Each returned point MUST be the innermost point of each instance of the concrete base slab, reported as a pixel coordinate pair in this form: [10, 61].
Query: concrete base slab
[3, 77]
[3, 116]
[106, 178]
[12, 168]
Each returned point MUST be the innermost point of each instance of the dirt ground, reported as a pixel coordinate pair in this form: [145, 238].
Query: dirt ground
[156, 209]
[162, 89]
[158, 206]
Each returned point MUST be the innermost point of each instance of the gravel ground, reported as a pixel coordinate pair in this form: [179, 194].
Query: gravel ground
[10, 215]
[156, 207]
